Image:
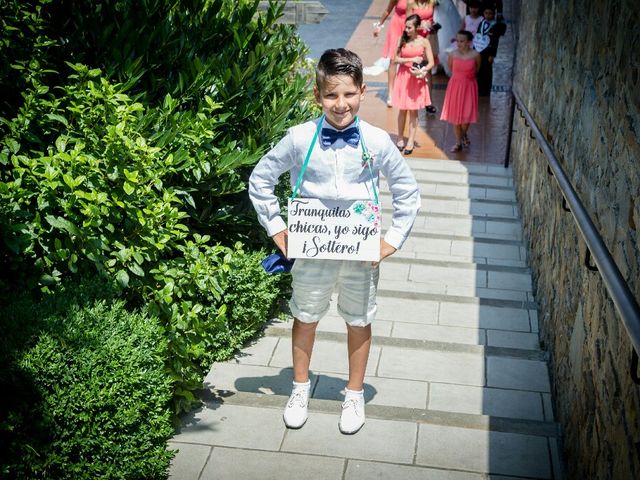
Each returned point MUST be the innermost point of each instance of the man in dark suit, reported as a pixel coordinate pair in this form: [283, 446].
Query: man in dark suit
[486, 42]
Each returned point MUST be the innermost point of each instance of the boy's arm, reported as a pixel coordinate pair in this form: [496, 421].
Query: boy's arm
[404, 192]
[263, 181]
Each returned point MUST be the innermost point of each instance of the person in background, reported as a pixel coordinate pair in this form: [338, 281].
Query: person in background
[486, 42]
[396, 27]
[460, 106]
[472, 20]
[425, 9]
[410, 91]
[497, 6]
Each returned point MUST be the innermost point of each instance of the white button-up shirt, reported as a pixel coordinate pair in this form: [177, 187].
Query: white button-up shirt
[336, 173]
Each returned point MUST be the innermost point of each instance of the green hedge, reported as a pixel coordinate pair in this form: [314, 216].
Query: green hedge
[85, 393]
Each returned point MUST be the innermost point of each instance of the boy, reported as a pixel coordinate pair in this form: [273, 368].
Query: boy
[335, 171]
[486, 42]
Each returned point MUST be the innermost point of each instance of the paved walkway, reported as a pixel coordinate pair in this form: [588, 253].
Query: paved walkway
[456, 387]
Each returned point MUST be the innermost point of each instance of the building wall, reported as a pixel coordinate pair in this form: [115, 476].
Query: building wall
[578, 72]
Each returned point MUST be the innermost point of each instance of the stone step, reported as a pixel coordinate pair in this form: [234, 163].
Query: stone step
[470, 365]
[453, 166]
[420, 242]
[458, 190]
[454, 178]
[476, 207]
[397, 437]
[464, 225]
[462, 257]
[424, 328]
[445, 276]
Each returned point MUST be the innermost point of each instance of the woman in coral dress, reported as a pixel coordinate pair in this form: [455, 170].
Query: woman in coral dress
[396, 27]
[410, 90]
[425, 9]
[461, 98]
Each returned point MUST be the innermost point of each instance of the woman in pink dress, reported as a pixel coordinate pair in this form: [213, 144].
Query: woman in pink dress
[410, 90]
[461, 98]
[425, 10]
[396, 27]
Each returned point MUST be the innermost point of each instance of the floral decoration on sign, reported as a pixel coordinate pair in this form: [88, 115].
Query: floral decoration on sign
[370, 210]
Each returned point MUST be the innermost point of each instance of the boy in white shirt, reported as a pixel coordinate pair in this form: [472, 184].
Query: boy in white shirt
[335, 171]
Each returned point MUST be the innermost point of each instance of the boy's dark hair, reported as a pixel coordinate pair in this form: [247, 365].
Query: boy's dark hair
[467, 34]
[339, 61]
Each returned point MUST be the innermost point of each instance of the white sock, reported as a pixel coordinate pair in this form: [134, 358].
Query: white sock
[302, 386]
[353, 393]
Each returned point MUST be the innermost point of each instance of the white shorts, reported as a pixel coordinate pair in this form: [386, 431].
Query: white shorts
[315, 280]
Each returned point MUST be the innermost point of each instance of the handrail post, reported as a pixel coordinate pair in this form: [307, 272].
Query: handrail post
[507, 155]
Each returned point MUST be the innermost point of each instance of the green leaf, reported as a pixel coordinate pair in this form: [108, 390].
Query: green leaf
[62, 224]
[128, 188]
[59, 118]
[12, 144]
[136, 269]
[61, 144]
[122, 278]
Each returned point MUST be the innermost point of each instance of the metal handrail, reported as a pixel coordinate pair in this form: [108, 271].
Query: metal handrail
[617, 288]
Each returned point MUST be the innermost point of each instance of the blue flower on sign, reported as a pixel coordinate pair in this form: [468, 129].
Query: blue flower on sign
[359, 207]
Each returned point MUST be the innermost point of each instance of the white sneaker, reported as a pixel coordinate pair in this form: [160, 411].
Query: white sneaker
[352, 417]
[295, 412]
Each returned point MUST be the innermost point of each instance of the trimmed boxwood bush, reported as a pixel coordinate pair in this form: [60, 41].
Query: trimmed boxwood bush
[86, 394]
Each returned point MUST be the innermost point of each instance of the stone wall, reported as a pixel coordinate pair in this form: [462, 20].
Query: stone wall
[578, 73]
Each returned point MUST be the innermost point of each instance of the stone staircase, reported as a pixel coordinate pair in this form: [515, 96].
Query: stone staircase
[456, 387]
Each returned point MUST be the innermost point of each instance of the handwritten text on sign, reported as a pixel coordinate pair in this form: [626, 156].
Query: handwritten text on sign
[334, 229]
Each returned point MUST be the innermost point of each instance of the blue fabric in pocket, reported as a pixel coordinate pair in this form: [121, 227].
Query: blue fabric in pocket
[277, 263]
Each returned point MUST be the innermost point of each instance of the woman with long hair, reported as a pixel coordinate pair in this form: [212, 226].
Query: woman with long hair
[425, 9]
[410, 91]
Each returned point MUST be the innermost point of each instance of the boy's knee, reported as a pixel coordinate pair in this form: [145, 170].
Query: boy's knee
[305, 323]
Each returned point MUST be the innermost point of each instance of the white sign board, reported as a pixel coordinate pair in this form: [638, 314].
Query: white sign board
[334, 229]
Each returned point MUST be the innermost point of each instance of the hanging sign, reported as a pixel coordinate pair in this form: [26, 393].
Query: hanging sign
[334, 229]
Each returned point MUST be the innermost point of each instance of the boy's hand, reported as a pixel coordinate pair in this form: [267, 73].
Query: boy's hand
[385, 251]
[281, 240]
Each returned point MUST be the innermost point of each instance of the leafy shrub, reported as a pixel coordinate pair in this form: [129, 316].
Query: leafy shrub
[129, 152]
[90, 396]
[250, 299]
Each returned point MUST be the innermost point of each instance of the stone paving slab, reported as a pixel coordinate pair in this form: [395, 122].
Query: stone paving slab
[406, 310]
[484, 316]
[258, 352]
[458, 167]
[501, 338]
[433, 366]
[252, 378]
[485, 249]
[391, 392]
[517, 374]
[189, 461]
[235, 464]
[480, 292]
[482, 451]
[438, 333]
[327, 357]
[431, 177]
[439, 288]
[486, 401]
[380, 440]
[361, 470]
[447, 275]
[233, 426]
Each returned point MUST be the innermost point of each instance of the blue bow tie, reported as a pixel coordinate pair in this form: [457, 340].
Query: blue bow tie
[350, 135]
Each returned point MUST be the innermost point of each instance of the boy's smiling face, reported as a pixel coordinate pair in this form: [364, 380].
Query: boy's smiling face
[340, 99]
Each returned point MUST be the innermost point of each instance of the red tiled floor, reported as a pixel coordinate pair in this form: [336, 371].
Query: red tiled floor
[435, 138]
